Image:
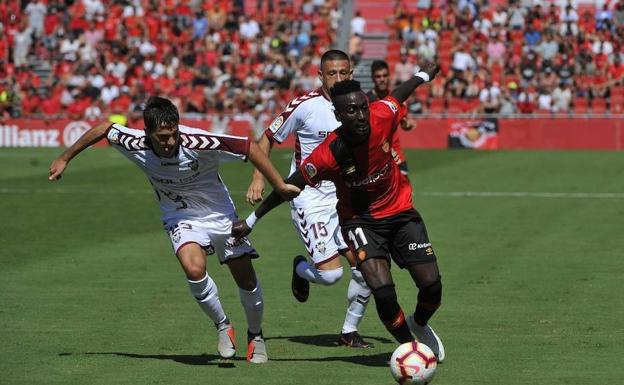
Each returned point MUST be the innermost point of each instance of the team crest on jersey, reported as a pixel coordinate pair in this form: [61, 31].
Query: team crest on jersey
[114, 136]
[385, 146]
[321, 247]
[277, 123]
[310, 170]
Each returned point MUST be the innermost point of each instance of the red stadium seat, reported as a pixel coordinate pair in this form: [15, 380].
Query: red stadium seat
[599, 106]
[580, 105]
[436, 105]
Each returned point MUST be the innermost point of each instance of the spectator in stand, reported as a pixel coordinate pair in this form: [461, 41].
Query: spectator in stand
[532, 37]
[616, 72]
[490, 97]
[21, 43]
[404, 69]
[358, 24]
[618, 15]
[455, 86]
[36, 12]
[526, 101]
[604, 18]
[496, 51]
[548, 48]
[600, 87]
[499, 17]
[562, 98]
[528, 70]
[462, 60]
[517, 17]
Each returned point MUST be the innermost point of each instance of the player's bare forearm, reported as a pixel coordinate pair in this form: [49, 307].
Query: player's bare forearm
[89, 138]
[262, 163]
[265, 146]
[405, 89]
[274, 199]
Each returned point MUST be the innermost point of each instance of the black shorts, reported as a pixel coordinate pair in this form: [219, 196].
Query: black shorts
[402, 237]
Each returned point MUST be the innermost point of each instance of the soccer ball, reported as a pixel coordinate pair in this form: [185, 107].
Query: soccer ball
[413, 363]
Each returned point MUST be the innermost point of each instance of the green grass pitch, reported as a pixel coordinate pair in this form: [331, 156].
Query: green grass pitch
[90, 292]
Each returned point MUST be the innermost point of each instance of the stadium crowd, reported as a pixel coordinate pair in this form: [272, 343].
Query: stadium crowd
[87, 58]
[105, 56]
[519, 56]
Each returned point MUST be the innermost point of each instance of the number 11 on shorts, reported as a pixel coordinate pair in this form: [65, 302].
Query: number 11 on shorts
[357, 237]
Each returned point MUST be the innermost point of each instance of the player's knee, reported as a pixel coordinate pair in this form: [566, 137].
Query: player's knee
[204, 288]
[431, 292]
[194, 272]
[386, 302]
[329, 277]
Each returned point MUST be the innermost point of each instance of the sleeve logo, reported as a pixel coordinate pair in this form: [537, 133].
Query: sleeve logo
[277, 123]
[310, 170]
[113, 136]
[391, 104]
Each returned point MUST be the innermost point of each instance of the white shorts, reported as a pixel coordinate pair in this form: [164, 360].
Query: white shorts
[319, 229]
[213, 236]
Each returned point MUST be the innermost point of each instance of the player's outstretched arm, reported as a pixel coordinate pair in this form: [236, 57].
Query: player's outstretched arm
[405, 89]
[90, 137]
[256, 187]
[242, 228]
[264, 165]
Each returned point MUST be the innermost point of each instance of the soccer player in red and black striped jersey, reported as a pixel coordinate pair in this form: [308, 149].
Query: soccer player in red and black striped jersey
[374, 205]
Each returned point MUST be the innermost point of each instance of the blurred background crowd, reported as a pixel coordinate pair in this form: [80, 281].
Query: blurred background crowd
[89, 58]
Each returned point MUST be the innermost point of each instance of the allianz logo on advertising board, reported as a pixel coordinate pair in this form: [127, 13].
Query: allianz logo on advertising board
[13, 135]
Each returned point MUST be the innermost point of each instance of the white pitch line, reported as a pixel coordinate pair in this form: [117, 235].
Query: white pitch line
[522, 194]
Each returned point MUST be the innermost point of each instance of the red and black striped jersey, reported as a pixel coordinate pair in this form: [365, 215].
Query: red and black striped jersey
[377, 189]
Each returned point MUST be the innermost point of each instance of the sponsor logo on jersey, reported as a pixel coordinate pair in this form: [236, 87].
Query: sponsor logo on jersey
[390, 103]
[277, 123]
[385, 146]
[310, 170]
[371, 178]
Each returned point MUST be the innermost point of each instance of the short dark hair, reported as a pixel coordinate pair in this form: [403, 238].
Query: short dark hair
[379, 65]
[333, 54]
[159, 112]
[345, 87]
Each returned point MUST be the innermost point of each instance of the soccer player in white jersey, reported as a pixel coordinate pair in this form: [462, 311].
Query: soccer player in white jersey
[310, 118]
[182, 163]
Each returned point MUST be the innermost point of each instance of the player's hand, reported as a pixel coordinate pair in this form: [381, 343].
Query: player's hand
[288, 191]
[255, 191]
[407, 124]
[240, 229]
[56, 168]
[431, 69]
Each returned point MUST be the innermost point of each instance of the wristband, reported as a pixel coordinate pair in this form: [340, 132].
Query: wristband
[251, 219]
[424, 76]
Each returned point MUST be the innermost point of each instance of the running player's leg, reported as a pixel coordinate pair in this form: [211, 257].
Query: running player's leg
[316, 226]
[376, 273]
[190, 242]
[413, 251]
[237, 256]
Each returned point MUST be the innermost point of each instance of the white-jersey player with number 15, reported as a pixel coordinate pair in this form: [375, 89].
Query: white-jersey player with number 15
[310, 118]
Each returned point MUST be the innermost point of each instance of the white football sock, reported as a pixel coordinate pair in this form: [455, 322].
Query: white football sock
[207, 296]
[253, 303]
[358, 296]
[314, 275]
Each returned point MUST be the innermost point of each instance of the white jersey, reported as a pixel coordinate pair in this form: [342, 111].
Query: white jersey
[310, 118]
[187, 185]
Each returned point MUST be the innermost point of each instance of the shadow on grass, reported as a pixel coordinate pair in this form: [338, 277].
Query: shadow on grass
[187, 359]
[326, 340]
